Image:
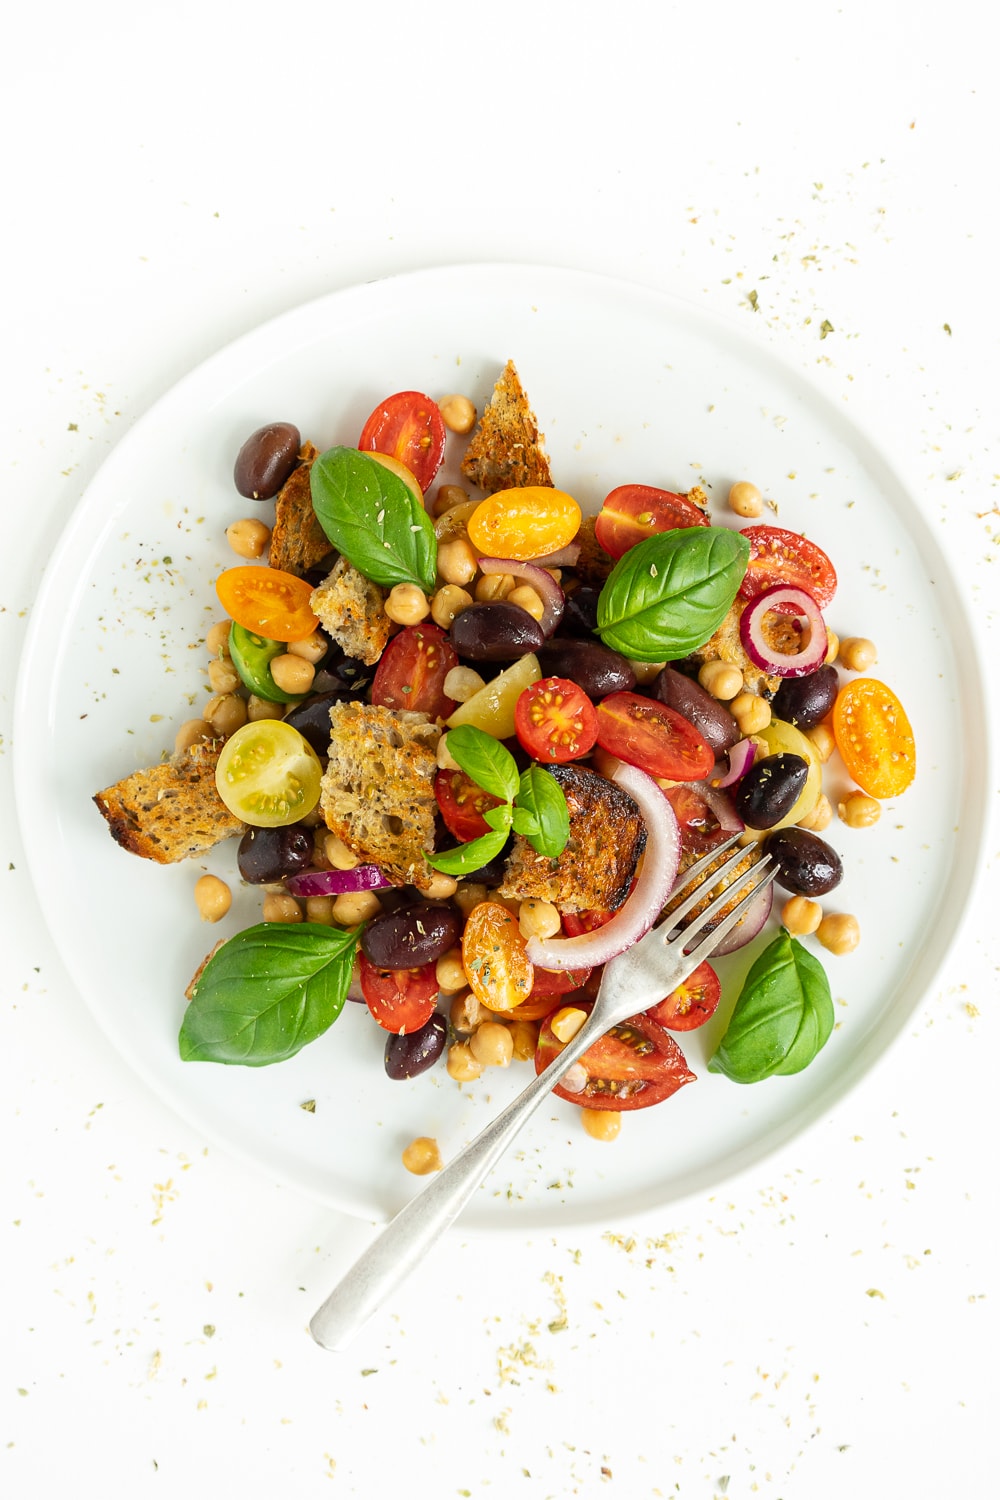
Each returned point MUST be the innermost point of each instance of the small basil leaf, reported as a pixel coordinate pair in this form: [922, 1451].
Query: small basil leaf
[783, 1017]
[498, 817]
[373, 519]
[526, 823]
[469, 857]
[267, 992]
[668, 594]
[540, 795]
[485, 760]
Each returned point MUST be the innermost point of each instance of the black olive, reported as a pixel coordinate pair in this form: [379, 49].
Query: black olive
[595, 668]
[266, 855]
[495, 632]
[416, 1051]
[806, 701]
[713, 721]
[809, 867]
[412, 936]
[770, 789]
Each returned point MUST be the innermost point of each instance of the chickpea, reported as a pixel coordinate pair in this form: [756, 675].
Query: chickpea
[292, 674]
[832, 646]
[281, 908]
[567, 1022]
[313, 648]
[721, 679]
[212, 897]
[461, 1064]
[448, 602]
[462, 683]
[746, 499]
[263, 708]
[527, 599]
[248, 538]
[319, 909]
[857, 653]
[406, 605]
[449, 971]
[468, 895]
[821, 816]
[465, 1013]
[457, 561]
[222, 675]
[458, 414]
[190, 733]
[524, 1036]
[603, 1124]
[422, 1156]
[839, 932]
[646, 671]
[800, 916]
[859, 811]
[448, 496]
[494, 587]
[217, 639]
[354, 907]
[441, 887]
[751, 713]
[445, 760]
[226, 713]
[339, 855]
[538, 919]
[821, 737]
[492, 1045]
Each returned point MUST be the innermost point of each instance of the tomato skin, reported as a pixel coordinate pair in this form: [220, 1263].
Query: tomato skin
[577, 922]
[252, 656]
[400, 1000]
[657, 739]
[409, 427]
[462, 804]
[692, 1003]
[555, 982]
[700, 828]
[268, 774]
[555, 721]
[636, 1064]
[874, 737]
[633, 512]
[500, 973]
[412, 671]
[779, 556]
[524, 524]
[268, 602]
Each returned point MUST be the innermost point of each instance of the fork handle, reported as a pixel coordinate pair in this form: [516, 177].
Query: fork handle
[397, 1251]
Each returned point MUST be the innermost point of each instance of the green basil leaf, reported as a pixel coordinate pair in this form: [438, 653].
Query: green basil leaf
[488, 762]
[468, 858]
[526, 823]
[499, 817]
[267, 992]
[540, 795]
[783, 1017]
[668, 594]
[373, 519]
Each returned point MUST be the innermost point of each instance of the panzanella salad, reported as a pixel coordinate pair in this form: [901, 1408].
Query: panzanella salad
[428, 702]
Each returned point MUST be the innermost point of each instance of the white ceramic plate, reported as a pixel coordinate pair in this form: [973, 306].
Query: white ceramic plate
[628, 386]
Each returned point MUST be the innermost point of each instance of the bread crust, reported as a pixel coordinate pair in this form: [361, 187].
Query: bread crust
[298, 541]
[170, 811]
[352, 610]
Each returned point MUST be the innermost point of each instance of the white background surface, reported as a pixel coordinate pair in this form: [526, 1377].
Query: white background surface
[824, 1325]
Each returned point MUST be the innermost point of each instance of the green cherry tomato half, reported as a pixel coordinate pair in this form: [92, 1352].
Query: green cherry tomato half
[252, 656]
[268, 774]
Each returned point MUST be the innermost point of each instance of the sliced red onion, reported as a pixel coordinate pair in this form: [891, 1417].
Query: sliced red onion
[720, 806]
[649, 894]
[749, 924]
[783, 599]
[533, 574]
[336, 882]
[566, 557]
[741, 758]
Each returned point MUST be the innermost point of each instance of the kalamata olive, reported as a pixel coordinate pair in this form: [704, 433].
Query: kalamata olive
[715, 723]
[269, 854]
[338, 673]
[266, 459]
[809, 867]
[580, 613]
[311, 718]
[406, 1056]
[770, 789]
[412, 936]
[495, 632]
[806, 701]
[595, 668]
[494, 871]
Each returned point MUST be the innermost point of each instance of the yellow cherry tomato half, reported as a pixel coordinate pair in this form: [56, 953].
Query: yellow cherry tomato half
[268, 602]
[524, 524]
[268, 774]
[874, 737]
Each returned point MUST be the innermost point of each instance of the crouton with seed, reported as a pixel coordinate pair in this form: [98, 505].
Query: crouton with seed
[171, 811]
[506, 451]
[298, 541]
[352, 609]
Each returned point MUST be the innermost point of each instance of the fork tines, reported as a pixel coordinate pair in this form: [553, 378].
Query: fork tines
[747, 887]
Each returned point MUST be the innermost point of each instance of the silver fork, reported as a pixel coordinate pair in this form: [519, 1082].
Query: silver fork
[657, 964]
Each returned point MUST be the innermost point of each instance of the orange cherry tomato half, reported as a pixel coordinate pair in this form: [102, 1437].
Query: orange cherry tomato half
[635, 1064]
[779, 556]
[409, 427]
[692, 1003]
[400, 1000]
[874, 737]
[500, 972]
[555, 721]
[652, 736]
[268, 602]
[524, 524]
[633, 512]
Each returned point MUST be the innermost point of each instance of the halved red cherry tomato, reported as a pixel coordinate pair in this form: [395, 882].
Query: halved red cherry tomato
[700, 828]
[554, 982]
[409, 427]
[633, 512]
[555, 721]
[500, 972]
[462, 804]
[268, 602]
[779, 556]
[652, 736]
[692, 1003]
[635, 1064]
[874, 737]
[401, 1000]
[577, 922]
[412, 671]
